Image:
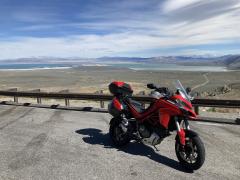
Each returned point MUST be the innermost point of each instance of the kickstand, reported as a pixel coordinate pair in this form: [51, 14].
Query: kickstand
[156, 148]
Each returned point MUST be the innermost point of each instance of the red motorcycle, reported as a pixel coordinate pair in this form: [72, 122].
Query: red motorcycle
[168, 112]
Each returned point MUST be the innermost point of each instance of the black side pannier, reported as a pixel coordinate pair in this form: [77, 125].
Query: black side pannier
[120, 88]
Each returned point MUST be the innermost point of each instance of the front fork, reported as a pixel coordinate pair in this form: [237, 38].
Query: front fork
[181, 131]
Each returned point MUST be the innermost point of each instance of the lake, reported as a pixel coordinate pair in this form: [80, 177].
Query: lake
[134, 66]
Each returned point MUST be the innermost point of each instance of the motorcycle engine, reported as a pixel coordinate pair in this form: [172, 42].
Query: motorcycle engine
[144, 132]
[149, 137]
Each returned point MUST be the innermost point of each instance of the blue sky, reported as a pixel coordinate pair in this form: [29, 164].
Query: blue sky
[95, 28]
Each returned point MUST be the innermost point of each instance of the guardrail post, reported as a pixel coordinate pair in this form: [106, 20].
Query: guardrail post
[101, 102]
[15, 98]
[39, 99]
[67, 102]
[196, 109]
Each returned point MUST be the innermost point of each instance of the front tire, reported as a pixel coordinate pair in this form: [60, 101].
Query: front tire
[192, 155]
[117, 135]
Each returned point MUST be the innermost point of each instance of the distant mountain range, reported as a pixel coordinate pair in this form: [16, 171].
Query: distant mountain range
[229, 61]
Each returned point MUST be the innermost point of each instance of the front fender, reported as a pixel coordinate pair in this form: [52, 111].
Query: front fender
[191, 133]
[188, 133]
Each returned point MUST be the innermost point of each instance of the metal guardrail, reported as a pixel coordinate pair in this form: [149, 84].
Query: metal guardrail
[98, 96]
[102, 110]
[65, 94]
[216, 103]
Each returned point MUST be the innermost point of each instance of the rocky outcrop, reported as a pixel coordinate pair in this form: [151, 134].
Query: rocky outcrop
[220, 90]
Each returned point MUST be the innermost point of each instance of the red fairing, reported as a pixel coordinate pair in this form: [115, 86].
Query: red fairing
[193, 115]
[164, 118]
[166, 110]
[117, 104]
[188, 106]
[184, 100]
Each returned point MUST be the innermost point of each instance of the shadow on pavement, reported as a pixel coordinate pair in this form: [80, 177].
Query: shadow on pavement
[95, 136]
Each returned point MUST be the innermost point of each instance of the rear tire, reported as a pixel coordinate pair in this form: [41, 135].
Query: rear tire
[192, 155]
[118, 137]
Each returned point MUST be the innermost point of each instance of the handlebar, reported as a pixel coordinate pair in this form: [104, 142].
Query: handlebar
[164, 90]
[151, 86]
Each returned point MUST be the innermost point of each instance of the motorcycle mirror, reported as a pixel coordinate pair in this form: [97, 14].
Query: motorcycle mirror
[151, 86]
[188, 90]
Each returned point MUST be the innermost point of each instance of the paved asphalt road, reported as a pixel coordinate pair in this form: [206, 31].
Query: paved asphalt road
[56, 144]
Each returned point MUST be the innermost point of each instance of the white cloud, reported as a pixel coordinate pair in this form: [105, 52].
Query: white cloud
[205, 32]
[179, 27]
[172, 5]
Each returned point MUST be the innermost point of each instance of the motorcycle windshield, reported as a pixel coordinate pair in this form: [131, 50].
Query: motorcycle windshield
[182, 90]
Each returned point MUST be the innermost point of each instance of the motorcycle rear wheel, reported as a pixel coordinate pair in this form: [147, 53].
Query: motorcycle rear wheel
[192, 155]
[118, 137]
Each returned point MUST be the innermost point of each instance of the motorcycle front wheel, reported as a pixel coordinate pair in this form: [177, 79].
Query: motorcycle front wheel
[192, 155]
[117, 135]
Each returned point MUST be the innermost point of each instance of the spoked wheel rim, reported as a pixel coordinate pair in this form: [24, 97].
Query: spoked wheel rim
[192, 154]
[119, 134]
[188, 153]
